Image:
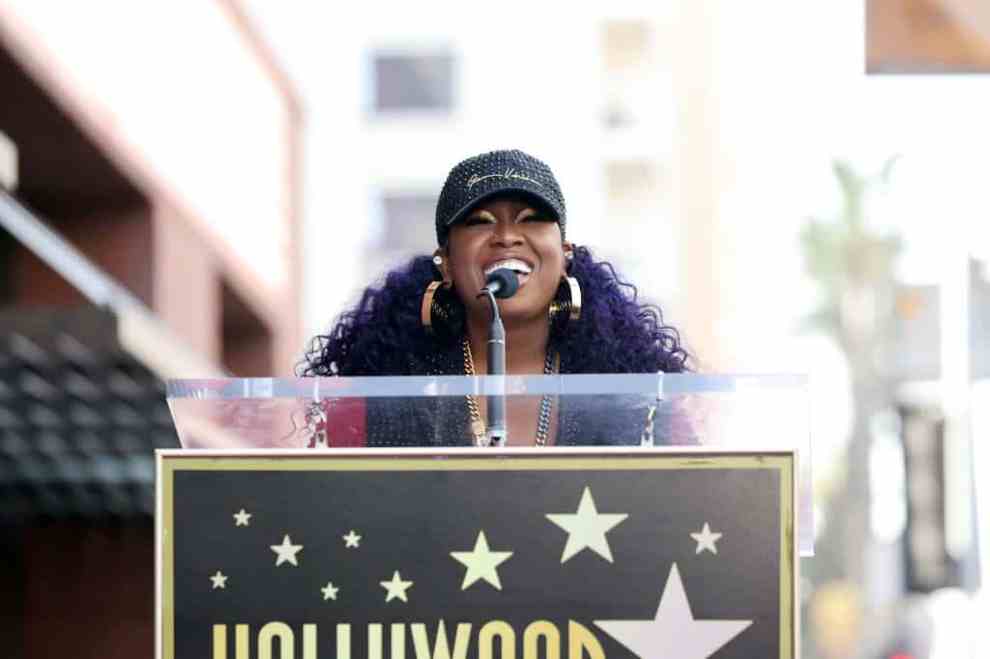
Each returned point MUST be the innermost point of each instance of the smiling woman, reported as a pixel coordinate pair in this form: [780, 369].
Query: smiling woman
[571, 313]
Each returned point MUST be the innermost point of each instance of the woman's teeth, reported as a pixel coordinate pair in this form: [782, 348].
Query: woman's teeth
[519, 267]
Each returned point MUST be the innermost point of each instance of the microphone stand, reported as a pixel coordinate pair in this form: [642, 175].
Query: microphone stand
[496, 431]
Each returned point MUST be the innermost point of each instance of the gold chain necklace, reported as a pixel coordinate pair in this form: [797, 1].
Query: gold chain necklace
[550, 366]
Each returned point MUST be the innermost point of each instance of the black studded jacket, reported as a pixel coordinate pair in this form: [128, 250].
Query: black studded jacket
[593, 420]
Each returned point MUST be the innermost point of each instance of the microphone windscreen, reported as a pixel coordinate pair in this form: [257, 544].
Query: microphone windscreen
[508, 283]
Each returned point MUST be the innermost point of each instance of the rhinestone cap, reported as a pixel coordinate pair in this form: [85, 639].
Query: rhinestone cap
[483, 176]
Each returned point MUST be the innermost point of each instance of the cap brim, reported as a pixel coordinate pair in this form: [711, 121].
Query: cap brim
[508, 190]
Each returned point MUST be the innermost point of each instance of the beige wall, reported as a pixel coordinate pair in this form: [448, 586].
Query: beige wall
[699, 166]
[186, 293]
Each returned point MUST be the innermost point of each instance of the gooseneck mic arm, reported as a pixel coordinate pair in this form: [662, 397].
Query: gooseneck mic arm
[497, 432]
[502, 283]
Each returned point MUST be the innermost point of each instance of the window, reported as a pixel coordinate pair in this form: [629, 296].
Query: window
[408, 220]
[413, 82]
[628, 60]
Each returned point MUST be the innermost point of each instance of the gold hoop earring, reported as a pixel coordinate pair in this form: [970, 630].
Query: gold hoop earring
[574, 288]
[572, 305]
[428, 306]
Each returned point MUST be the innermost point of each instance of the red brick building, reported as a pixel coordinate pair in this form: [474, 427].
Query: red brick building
[148, 229]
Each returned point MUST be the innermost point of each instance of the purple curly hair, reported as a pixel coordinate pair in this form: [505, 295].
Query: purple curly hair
[382, 335]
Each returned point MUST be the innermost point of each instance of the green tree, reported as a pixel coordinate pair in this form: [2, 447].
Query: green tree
[853, 265]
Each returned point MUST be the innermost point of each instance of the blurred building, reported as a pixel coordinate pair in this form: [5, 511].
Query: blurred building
[941, 510]
[148, 229]
[914, 353]
[927, 36]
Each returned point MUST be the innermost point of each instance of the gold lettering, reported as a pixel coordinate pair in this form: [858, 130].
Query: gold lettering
[531, 640]
[343, 641]
[286, 641]
[398, 635]
[219, 641]
[266, 636]
[580, 640]
[441, 649]
[241, 641]
[486, 639]
[309, 641]
[375, 641]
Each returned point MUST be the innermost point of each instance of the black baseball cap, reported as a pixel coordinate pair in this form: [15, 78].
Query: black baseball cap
[481, 177]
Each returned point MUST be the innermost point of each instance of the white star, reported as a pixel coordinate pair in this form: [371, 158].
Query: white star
[219, 580]
[286, 551]
[673, 632]
[396, 588]
[706, 540]
[329, 591]
[352, 539]
[241, 518]
[481, 562]
[586, 528]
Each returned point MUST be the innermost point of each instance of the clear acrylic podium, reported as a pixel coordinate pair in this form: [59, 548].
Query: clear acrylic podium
[691, 412]
[355, 517]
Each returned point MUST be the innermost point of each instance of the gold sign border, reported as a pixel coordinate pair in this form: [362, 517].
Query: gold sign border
[458, 459]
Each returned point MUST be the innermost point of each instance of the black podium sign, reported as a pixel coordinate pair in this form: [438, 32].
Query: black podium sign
[476, 553]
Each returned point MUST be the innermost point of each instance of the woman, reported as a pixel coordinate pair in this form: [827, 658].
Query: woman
[571, 314]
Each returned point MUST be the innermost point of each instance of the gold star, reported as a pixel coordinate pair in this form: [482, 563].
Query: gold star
[396, 588]
[329, 591]
[586, 528]
[219, 580]
[481, 562]
[241, 518]
[674, 631]
[286, 551]
[352, 539]
[706, 540]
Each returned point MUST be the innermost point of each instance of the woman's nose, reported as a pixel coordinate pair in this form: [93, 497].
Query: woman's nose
[506, 234]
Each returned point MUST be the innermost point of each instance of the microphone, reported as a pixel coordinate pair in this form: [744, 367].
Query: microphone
[502, 283]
